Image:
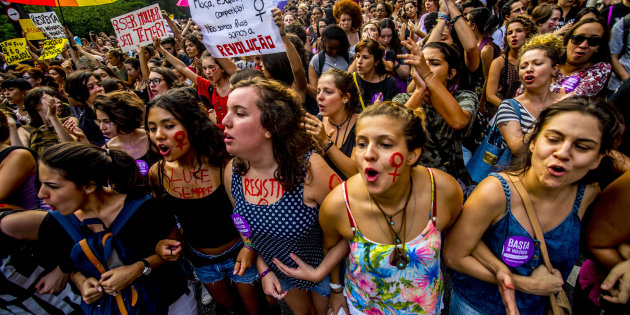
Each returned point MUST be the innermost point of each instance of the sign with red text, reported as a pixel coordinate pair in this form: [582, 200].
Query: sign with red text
[49, 24]
[139, 27]
[233, 28]
[30, 30]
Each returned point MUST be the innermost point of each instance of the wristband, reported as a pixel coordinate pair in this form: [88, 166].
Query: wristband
[264, 273]
[327, 147]
[336, 291]
[335, 286]
[443, 17]
[453, 20]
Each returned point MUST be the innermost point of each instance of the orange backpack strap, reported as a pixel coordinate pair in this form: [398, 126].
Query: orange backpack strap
[90, 255]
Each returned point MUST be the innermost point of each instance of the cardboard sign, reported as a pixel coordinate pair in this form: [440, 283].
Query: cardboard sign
[52, 48]
[30, 30]
[232, 28]
[49, 24]
[139, 27]
[15, 50]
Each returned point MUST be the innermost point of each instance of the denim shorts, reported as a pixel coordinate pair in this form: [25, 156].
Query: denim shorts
[459, 306]
[224, 269]
[322, 288]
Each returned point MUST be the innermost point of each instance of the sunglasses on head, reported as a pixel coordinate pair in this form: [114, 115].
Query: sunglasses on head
[592, 41]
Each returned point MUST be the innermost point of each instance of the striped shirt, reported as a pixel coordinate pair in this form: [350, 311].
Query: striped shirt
[506, 113]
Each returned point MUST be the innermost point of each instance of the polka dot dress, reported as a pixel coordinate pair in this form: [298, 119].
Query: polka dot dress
[287, 226]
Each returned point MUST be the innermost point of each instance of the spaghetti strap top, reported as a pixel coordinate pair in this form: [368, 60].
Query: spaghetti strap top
[372, 283]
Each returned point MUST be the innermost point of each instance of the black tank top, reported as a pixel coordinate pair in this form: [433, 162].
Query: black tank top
[206, 222]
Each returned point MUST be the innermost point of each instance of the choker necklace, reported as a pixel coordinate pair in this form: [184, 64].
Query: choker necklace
[339, 126]
[399, 257]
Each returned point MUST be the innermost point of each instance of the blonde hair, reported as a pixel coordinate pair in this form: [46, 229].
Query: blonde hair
[551, 44]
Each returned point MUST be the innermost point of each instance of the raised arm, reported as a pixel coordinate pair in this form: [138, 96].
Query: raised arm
[466, 36]
[177, 33]
[144, 68]
[441, 99]
[179, 65]
[299, 74]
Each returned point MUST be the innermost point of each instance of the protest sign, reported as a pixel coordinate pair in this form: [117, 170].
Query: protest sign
[49, 24]
[139, 27]
[52, 48]
[232, 28]
[30, 30]
[15, 50]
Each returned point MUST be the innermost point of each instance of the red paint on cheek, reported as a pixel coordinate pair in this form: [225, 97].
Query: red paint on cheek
[180, 137]
[396, 165]
[333, 181]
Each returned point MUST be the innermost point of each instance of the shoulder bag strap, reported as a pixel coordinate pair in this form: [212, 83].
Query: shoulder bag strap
[356, 82]
[531, 214]
[127, 211]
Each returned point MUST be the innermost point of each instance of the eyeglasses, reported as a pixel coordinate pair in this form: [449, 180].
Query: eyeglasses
[155, 81]
[592, 41]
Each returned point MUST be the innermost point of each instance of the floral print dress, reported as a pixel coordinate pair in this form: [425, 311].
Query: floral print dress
[375, 287]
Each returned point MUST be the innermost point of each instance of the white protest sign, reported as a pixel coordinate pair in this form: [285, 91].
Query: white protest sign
[139, 27]
[232, 28]
[49, 24]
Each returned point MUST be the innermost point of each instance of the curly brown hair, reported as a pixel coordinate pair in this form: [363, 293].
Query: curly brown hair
[281, 115]
[528, 26]
[350, 8]
[550, 43]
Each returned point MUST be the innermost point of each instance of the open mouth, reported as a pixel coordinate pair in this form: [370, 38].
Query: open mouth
[164, 150]
[371, 174]
[529, 78]
[557, 170]
[228, 139]
[580, 54]
[514, 42]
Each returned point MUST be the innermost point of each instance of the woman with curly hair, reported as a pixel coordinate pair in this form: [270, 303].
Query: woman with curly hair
[384, 10]
[189, 180]
[539, 60]
[348, 15]
[277, 185]
[503, 78]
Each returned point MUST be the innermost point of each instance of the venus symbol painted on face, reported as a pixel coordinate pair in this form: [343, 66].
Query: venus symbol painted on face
[396, 165]
[180, 137]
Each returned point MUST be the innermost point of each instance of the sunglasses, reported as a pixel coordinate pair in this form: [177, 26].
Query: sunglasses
[592, 41]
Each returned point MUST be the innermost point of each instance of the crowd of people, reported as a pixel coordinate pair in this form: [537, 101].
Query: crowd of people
[298, 176]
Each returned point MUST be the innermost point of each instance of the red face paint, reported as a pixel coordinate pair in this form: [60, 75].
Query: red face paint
[263, 201]
[333, 181]
[396, 165]
[180, 137]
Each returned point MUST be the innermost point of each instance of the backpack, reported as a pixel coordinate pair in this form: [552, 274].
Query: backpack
[96, 253]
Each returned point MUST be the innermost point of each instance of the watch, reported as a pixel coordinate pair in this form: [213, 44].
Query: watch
[147, 268]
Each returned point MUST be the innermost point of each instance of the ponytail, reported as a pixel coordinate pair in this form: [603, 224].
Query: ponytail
[86, 164]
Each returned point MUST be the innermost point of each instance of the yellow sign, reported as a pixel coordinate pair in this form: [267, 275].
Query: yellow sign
[52, 48]
[15, 50]
[30, 30]
[172, 16]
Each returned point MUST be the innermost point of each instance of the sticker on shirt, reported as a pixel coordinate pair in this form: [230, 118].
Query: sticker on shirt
[241, 225]
[377, 97]
[570, 83]
[517, 250]
[143, 167]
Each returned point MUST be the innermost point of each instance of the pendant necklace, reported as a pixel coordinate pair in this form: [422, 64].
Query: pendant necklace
[339, 127]
[398, 258]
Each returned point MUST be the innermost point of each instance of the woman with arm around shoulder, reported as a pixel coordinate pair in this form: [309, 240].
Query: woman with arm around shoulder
[563, 159]
[539, 59]
[277, 186]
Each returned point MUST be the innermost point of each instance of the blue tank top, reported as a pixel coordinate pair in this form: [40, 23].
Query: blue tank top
[563, 245]
[284, 227]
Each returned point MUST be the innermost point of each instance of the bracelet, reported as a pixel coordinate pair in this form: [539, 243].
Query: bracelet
[336, 286]
[453, 20]
[328, 146]
[264, 273]
[249, 245]
[443, 17]
[336, 292]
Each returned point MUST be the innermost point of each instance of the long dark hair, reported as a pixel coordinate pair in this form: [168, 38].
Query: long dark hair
[281, 115]
[603, 53]
[394, 44]
[86, 164]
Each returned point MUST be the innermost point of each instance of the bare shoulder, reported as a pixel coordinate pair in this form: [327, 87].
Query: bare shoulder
[591, 192]
[489, 197]
[20, 160]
